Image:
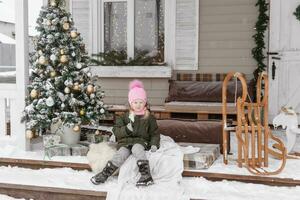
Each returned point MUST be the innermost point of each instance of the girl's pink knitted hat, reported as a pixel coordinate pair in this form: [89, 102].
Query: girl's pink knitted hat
[136, 91]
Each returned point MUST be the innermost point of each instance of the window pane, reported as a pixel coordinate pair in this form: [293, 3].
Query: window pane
[149, 28]
[115, 26]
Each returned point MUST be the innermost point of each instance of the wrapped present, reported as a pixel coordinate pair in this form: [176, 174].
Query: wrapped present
[51, 140]
[202, 159]
[57, 150]
[79, 150]
[94, 138]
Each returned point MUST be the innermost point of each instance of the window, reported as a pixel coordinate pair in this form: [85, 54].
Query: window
[134, 26]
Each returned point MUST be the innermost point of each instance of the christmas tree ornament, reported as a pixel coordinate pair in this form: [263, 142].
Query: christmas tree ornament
[78, 65]
[73, 34]
[76, 87]
[97, 132]
[90, 89]
[76, 128]
[82, 112]
[63, 59]
[42, 60]
[66, 26]
[33, 94]
[53, 3]
[102, 111]
[53, 74]
[53, 57]
[29, 134]
[67, 90]
[49, 101]
[62, 51]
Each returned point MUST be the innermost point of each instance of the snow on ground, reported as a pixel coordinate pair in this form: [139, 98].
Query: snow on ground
[197, 188]
[5, 197]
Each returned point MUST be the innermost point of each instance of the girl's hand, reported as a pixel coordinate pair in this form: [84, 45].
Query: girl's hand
[131, 116]
[153, 148]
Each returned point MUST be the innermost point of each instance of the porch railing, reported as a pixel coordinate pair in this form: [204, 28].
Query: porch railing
[8, 113]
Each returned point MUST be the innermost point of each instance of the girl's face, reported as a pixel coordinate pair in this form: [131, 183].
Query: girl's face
[138, 105]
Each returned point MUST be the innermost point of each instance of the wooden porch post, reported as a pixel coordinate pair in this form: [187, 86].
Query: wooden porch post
[21, 26]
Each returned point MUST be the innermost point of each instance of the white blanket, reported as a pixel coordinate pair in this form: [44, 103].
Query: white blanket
[166, 166]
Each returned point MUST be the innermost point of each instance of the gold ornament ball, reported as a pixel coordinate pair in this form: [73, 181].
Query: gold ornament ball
[52, 74]
[90, 89]
[66, 26]
[82, 112]
[63, 59]
[42, 60]
[33, 94]
[67, 90]
[53, 3]
[74, 34]
[29, 134]
[76, 87]
[76, 128]
[97, 132]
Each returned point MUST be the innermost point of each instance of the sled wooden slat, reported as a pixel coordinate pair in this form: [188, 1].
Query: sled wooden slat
[39, 192]
[37, 164]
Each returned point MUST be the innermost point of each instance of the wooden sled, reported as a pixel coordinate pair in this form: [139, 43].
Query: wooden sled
[252, 130]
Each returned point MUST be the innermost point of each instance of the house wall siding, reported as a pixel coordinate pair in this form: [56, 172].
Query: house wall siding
[225, 35]
[81, 15]
[116, 89]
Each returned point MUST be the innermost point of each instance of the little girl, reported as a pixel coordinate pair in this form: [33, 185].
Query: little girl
[135, 131]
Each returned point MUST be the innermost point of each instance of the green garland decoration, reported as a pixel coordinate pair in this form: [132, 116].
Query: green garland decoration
[260, 27]
[297, 13]
[119, 58]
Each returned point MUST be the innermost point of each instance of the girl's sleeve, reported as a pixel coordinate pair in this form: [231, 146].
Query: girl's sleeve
[120, 129]
[153, 131]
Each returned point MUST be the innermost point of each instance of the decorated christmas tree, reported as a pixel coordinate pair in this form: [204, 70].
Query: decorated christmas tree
[61, 87]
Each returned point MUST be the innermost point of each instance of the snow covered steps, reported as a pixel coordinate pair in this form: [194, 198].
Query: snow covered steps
[39, 192]
[266, 180]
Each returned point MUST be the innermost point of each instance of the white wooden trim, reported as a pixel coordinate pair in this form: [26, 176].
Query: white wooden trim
[71, 7]
[104, 1]
[102, 26]
[21, 27]
[197, 35]
[130, 28]
[91, 19]
[131, 71]
[2, 117]
[170, 32]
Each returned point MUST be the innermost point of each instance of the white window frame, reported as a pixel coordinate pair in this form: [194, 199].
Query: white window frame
[96, 39]
[130, 25]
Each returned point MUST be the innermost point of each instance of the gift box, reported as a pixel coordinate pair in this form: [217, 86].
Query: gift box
[202, 159]
[51, 140]
[79, 150]
[58, 150]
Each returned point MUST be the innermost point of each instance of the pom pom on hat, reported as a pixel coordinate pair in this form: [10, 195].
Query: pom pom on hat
[136, 91]
[136, 83]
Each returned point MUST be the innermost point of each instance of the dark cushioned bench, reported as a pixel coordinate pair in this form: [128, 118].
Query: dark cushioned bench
[192, 131]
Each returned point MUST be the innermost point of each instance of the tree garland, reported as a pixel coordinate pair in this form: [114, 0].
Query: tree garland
[297, 13]
[260, 27]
